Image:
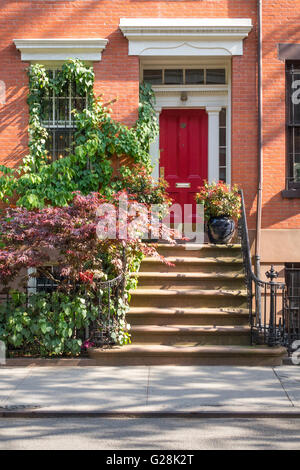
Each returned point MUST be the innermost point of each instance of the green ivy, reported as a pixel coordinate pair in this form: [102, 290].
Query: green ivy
[48, 324]
[98, 138]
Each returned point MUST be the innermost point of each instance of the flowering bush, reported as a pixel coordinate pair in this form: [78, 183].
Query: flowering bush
[138, 181]
[219, 200]
[76, 236]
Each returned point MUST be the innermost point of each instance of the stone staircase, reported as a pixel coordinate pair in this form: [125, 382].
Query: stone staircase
[194, 312]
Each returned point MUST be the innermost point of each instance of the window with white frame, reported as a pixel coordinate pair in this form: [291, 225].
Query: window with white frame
[185, 76]
[58, 118]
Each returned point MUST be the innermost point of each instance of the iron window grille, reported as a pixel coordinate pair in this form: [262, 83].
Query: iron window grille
[58, 118]
[40, 282]
[293, 124]
[292, 278]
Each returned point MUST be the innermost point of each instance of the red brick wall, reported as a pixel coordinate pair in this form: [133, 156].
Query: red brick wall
[117, 75]
[281, 25]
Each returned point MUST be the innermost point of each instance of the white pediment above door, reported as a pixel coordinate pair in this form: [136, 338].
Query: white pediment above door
[185, 36]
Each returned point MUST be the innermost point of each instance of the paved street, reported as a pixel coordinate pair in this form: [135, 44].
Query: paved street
[149, 434]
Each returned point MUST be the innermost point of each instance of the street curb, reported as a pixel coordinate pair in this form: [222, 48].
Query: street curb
[164, 414]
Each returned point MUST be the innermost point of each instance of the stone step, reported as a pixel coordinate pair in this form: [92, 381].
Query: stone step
[148, 355]
[230, 280]
[188, 298]
[194, 264]
[187, 316]
[198, 251]
[190, 335]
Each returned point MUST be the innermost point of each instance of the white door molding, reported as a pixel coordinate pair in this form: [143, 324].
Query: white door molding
[212, 102]
[213, 142]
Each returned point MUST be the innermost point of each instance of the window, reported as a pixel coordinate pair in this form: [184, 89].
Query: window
[58, 118]
[153, 76]
[188, 76]
[194, 76]
[292, 279]
[222, 146]
[40, 282]
[293, 125]
[173, 77]
[215, 76]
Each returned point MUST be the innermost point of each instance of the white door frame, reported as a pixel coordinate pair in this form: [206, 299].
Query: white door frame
[210, 98]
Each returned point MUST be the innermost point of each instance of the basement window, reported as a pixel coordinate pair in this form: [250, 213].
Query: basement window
[45, 280]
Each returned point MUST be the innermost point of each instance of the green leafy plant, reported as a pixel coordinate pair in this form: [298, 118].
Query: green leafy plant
[219, 199]
[46, 324]
[37, 182]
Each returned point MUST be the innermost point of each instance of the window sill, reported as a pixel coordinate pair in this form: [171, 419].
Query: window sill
[290, 194]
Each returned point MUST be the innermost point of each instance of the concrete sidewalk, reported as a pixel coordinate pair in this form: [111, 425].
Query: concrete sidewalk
[160, 390]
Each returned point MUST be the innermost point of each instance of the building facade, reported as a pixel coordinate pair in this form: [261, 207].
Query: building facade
[201, 58]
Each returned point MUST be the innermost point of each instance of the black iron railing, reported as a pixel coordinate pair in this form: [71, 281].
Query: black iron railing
[267, 300]
[110, 296]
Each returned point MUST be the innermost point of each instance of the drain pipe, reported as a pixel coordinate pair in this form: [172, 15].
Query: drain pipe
[260, 158]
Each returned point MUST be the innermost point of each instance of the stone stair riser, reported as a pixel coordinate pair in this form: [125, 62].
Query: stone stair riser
[190, 339]
[110, 360]
[191, 267]
[181, 282]
[186, 319]
[188, 301]
[195, 252]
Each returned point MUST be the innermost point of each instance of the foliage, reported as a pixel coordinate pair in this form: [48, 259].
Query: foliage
[219, 200]
[79, 237]
[47, 324]
[137, 181]
[99, 138]
[87, 242]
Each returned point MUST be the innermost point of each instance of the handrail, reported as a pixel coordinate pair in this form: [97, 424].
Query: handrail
[245, 236]
[268, 321]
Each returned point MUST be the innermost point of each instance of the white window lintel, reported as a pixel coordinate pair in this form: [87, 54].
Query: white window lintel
[61, 49]
[185, 36]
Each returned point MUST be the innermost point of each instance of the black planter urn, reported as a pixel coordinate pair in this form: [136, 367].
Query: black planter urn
[220, 230]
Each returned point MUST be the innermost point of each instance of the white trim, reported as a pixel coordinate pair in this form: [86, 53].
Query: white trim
[213, 142]
[185, 36]
[228, 130]
[31, 284]
[60, 49]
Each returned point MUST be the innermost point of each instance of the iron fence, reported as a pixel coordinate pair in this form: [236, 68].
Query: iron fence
[273, 317]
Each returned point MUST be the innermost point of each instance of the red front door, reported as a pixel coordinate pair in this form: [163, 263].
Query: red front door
[183, 152]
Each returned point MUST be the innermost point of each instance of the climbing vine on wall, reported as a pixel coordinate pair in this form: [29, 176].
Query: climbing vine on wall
[98, 139]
